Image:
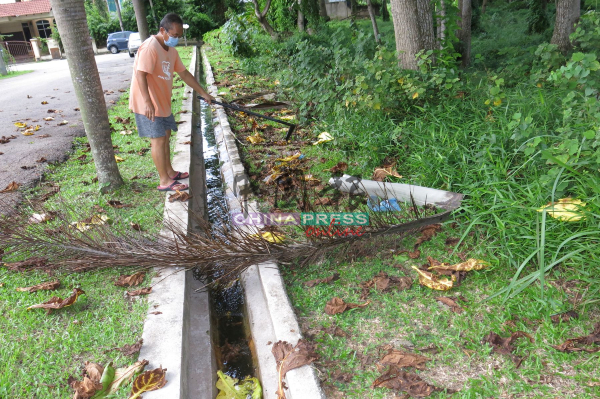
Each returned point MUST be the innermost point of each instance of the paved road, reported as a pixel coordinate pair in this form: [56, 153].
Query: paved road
[50, 81]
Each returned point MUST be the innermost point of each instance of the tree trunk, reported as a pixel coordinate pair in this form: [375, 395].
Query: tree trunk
[484, 5]
[262, 20]
[300, 18]
[373, 21]
[323, 10]
[140, 16]
[567, 14]
[441, 25]
[385, 15]
[426, 24]
[119, 15]
[72, 25]
[465, 32]
[154, 15]
[406, 30]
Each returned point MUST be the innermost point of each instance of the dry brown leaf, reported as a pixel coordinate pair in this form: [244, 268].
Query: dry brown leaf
[504, 346]
[11, 187]
[326, 280]
[94, 371]
[179, 196]
[41, 160]
[49, 286]
[414, 254]
[340, 167]
[451, 303]
[118, 204]
[430, 281]
[379, 174]
[404, 359]
[570, 344]
[135, 226]
[399, 380]
[564, 317]
[187, 143]
[130, 280]
[383, 282]
[149, 381]
[58, 303]
[128, 350]
[337, 305]
[290, 357]
[142, 291]
[427, 233]
[85, 389]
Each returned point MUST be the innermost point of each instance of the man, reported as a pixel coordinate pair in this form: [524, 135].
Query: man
[150, 96]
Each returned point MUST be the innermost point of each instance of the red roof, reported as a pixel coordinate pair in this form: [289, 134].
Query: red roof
[25, 8]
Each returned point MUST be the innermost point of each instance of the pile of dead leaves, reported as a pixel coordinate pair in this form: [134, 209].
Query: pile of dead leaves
[100, 382]
[577, 344]
[337, 305]
[398, 379]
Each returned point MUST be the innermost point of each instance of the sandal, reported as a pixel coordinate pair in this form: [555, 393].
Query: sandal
[181, 175]
[175, 186]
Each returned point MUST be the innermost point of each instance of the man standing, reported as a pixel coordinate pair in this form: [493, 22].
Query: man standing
[150, 96]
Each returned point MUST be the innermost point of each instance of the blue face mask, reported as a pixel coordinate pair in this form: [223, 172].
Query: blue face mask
[172, 42]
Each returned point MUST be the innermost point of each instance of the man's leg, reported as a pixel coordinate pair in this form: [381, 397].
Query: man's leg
[158, 156]
[167, 149]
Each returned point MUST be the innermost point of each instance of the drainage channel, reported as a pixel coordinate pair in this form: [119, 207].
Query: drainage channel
[231, 332]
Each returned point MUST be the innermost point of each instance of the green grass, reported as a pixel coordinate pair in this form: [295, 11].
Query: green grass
[539, 265]
[38, 351]
[13, 74]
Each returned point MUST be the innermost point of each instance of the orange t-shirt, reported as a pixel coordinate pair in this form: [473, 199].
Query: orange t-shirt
[160, 65]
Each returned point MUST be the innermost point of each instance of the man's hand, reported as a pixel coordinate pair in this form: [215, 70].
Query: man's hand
[149, 112]
[207, 97]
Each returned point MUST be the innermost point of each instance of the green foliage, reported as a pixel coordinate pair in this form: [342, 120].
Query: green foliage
[199, 22]
[537, 20]
[99, 25]
[236, 35]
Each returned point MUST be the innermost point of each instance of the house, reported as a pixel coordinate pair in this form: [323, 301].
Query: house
[22, 20]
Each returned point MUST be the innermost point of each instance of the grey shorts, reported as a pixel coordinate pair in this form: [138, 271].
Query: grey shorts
[156, 129]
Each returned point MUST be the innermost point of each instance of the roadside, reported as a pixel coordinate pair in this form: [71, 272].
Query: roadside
[444, 146]
[41, 351]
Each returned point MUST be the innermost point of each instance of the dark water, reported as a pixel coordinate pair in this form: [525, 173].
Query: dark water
[232, 347]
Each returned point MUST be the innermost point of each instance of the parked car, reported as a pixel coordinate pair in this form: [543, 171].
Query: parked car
[117, 41]
[134, 43]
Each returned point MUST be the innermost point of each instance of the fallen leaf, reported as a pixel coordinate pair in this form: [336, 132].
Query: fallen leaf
[11, 187]
[414, 254]
[155, 313]
[44, 102]
[126, 132]
[430, 281]
[233, 388]
[42, 160]
[576, 344]
[130, 280]
[340, 167]
[404, 359]
[119, 159]
[399, 380]
[255, 138]
[142, 291]
[37, 218]
[43, 136]
[471, 264]
[86, 224]
[85, 389]
[76, 109]
[58, 303]
[326, 280]
[289, 357]
[323, 138]
[427, 233]
[382, 282]
[451, 303]
[117, 204]
[337, 305]
[49, 286]
[135, 226]
[148, 381]
[128, 350]
[179, 196]
[28, 132]
[565, 209]
[187, 143]
[504, 346]
[379, 174]
[64, 122]
[564, 317]
[125, 374]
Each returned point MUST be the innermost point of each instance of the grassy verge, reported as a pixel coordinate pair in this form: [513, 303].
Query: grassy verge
[13, 74]
[39, 352]
[459, 143]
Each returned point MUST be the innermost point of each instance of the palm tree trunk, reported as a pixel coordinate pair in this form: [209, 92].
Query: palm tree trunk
[140, 16]
[373, 21]
[72, 25]
[406, 29]
[119, 15]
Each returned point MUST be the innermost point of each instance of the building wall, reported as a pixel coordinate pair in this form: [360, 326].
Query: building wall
[8, 27]
[337, 10]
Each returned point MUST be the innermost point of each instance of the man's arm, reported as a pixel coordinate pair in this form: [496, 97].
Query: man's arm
[190, 80]
[143, 83]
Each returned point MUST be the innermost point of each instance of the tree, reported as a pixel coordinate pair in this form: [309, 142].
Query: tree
[373, 21]
[262, 17]
[567, 15]
[464, 32]
[426, 24]
[441, 24]
[406, 30]
[72, 25]
[385, 15]
[300, 17]
[140, 16]
[119, 15]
